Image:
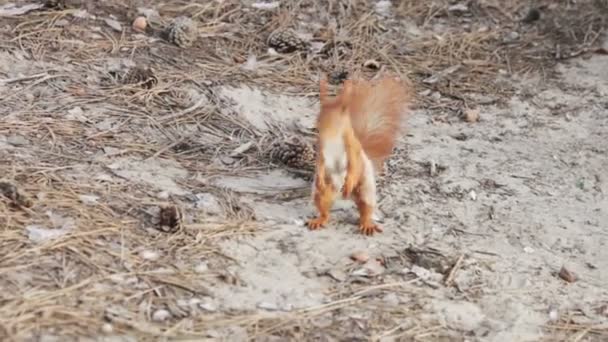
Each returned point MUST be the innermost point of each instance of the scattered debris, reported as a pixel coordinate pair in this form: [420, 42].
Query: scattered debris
[229, 278]
[286, 41]
[567, 275]
[471, 115]
[430, 258]
[473, 195]
[442, 74]
[266, 5]
[39, 234]
[88, 199]
[115, 25]
[337, 77]
[294, 152]
[107, 328]
[16, 196]
[55, 4]
[432, 168]
[532, 16]
[170, 219]
[458, 8]
[241, 149]
[335, 274]
[450, 277]
[149, 255]
[267, 306]
[161, 315]
[11, 10]
[553, 314]
[372, 64]
[371, 268]
[182, 32]
[140, 24]
[383, 7]
[360, 256]
[251, 63]
[140, 76]
[201, 267]
[208, 305]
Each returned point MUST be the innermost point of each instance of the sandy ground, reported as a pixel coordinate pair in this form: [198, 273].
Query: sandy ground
[479, 219]
[519, 195]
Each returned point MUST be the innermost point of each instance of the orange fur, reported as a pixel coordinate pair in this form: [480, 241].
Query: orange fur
[357, 132]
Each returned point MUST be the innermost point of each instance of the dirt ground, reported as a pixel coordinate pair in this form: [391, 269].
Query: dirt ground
[494, 230]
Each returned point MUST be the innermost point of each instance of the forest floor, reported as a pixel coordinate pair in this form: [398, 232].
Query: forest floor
[168, 211]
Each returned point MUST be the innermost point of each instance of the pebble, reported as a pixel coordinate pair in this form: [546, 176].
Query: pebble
[107, 328]
[139, 24]
[567, 275]
[161, 315]
[149, 255]
[471, 115]
[360, 256]
[115, 25]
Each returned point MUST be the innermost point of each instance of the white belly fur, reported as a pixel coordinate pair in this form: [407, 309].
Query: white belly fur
[334, 155]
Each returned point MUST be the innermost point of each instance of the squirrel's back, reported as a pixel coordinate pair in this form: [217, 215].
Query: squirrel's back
[378, 110]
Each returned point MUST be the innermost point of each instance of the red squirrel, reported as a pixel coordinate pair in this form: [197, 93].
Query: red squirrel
[357, 130]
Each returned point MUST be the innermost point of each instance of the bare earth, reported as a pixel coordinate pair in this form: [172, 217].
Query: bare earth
[479, 218]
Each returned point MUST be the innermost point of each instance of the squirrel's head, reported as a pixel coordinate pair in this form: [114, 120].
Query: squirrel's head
[334, 107]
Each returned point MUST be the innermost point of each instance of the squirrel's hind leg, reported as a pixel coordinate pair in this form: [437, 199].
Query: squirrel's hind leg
[365, 198]
[323, 198]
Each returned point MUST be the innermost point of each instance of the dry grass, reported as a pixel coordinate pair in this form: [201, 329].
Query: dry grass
[102, 272]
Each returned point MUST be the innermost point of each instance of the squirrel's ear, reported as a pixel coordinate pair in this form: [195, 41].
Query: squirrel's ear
[323, 88]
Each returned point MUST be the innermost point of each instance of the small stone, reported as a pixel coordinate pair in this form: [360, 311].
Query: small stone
[360, 256]
[267, 306]
[511, 36]
[139, 24]
[473, 195]
[471, 115]
[115, 25]
[107, 328]
[532, 16]
[553, 315]
[528, 250]
[391, 299]
[88, 199]
[432, 168]
[161, 315]
[458, 8]
[150, 255]
[208, 305]
[201, 268]
[372, 64]
[567, 275]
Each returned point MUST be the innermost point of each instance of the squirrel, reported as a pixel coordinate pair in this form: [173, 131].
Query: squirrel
[357, 130]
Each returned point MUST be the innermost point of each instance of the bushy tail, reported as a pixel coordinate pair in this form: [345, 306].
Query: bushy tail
[378, 110]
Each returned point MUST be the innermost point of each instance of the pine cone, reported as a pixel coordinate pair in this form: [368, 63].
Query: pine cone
[340, 47]
[296, 154]
[181, 32]
[142, 76]
[286, 41]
